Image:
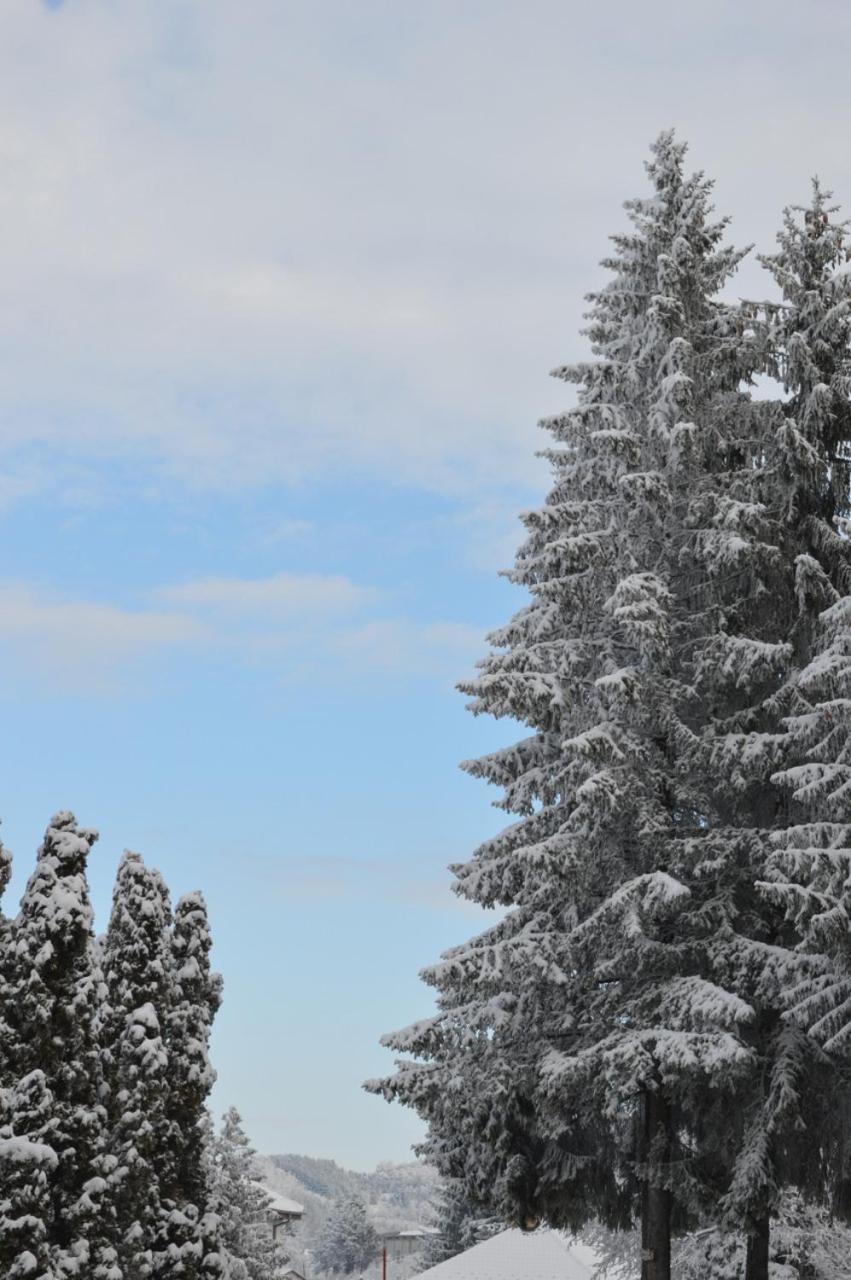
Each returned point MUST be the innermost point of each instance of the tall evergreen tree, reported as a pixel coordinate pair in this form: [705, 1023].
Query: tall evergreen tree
[782, 1130]
[138, 1000]
[53, 1018]
[191, 1245]
[585, 1045]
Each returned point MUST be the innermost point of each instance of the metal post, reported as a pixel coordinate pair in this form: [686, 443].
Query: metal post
[384, 1262]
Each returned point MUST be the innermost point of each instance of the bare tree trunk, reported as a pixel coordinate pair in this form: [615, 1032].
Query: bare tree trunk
[655, 1199]
[756, 1263]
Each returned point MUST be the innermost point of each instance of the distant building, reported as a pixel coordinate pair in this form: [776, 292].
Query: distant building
[401, 1244]
[282, 1213]
[291, 1275]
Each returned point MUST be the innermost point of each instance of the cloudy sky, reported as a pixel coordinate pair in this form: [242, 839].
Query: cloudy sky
[280, 285]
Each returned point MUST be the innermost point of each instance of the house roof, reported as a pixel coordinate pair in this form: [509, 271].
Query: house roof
[282, 1204]
[415, 1232]
[519, 1255]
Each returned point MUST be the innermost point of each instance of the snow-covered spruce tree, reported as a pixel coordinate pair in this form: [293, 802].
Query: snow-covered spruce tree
[27, 1168]
[751, 681]
[241, 1203]
[347, 1239]
[190, 1243]
[135, 954]
[807, 345]
[584, 1045]
[55, 995]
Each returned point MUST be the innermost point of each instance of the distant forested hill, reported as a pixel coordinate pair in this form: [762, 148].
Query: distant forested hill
[397, 1195]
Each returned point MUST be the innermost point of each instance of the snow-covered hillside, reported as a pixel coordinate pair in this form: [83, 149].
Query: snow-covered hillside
[397, 1196]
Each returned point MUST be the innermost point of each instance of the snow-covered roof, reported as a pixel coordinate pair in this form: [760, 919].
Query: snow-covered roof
[282, 1204]
[416, 1232]
[519, 1255]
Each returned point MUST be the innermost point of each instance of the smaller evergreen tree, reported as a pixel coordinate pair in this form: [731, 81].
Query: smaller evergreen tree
[241, 1203]
[347, 1240]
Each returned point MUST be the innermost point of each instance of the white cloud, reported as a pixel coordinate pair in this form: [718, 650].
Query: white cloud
[85, 646]
[249, 243]
[400, 647]
[19, 482]
[295, 627]
[283, 597]
[271, 532]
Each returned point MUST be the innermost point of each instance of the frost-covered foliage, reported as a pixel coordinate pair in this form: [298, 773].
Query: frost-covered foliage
[809, 340]
[616, 1041]
[103, 1135]
[805, 344]
[347, 1241]
[807, 1244]
[27, 1168]
[242, 1204]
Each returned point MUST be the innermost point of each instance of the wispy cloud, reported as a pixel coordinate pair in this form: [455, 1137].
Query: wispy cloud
[245, 244]
[335, 877]
[295, 626]
[83, 645]
[397, 646]
[285, 596]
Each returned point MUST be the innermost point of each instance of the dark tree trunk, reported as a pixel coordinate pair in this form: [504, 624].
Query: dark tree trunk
[756, 1263]
[655, 1199]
